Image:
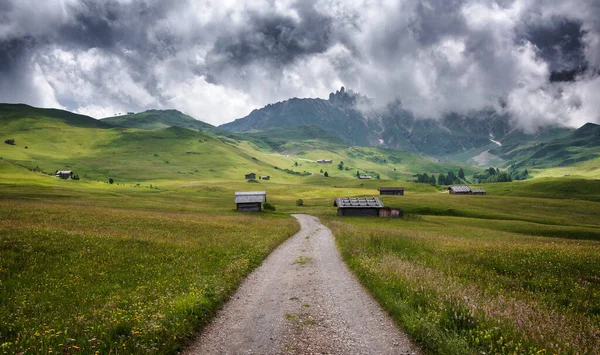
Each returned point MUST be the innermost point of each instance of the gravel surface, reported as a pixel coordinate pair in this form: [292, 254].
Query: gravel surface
[302, 300]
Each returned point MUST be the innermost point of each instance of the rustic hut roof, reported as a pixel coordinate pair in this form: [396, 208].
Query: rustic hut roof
[478, 191]
[391, 189]
[460, 188]
[250, 196]
[357, 202]
[63, 172]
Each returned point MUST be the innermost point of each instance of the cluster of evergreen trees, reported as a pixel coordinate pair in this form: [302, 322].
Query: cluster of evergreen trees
[448, 179]
[489, 175]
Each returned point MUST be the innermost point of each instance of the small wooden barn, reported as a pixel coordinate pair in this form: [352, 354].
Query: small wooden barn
[250, 201]
[459, 190]
[266, 177]
[63, 174]
[465, 190]
[324, 161]
[358, 206]
[250, 176]
[391, 190]
[364, 177]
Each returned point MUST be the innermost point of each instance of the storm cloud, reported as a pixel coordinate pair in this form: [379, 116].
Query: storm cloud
[217, 61]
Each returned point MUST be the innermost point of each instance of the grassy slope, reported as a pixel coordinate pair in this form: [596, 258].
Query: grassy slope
[132, 155]
[160, 119]
[482, 247]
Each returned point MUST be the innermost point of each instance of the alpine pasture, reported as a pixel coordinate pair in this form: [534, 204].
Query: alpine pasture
[142, 264]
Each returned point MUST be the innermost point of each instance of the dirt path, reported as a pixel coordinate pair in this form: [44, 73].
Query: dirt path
[302, 300]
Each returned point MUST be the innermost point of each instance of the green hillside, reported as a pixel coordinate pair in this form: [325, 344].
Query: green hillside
[579, 146]
[160, 119]
[50, 140]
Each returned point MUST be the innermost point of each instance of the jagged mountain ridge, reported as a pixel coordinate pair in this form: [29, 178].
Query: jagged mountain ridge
[393, 127]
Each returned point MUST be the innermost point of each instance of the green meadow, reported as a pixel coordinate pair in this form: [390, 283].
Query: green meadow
[141, 265]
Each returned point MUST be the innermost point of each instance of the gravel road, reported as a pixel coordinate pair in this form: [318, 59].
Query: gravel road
[302, 300]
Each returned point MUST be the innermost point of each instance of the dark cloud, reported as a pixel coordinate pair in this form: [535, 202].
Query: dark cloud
[273, 38]
[220, 60]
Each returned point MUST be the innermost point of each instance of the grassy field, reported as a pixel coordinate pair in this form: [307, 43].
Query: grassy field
[491, 283]
[95, 271]
[139, 266]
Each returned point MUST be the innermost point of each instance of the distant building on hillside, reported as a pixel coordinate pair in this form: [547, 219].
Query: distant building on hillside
[478, 192]
[63, 174]
[391, 190]
[364, 177]
[266, 177]
[250, 176]
[465, 190]
[324, 161]
[250, 201]
[459, 190]
[358, 206]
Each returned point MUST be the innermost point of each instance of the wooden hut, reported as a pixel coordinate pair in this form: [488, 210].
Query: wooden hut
[358, 206]
[459, 190]
[250, 176]
[478, 191]
[250, 201]
[391, 190]
[266, 177]
[63, 174]
[324, 161]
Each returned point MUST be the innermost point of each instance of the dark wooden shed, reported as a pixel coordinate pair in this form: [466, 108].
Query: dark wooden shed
[391, 190]
[63, 174]
[251, 176]
[250, 201]
[358, 206]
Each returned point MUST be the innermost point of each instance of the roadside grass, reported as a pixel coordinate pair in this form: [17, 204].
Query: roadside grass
[80, 275]
[465, 285]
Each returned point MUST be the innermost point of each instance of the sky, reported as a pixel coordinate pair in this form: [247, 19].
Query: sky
[537, 60]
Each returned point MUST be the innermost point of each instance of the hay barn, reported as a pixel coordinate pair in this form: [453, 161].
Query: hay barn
[391, 190]
[250, 201]
[459, 190]
[251, 176]
[358, 206]
[63, 174]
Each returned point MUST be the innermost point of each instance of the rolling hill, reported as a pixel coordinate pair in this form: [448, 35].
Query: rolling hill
[50, 140]
[160, 119]
[580, 145]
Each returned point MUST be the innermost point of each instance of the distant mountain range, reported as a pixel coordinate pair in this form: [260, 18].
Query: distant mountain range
[393, 127]
[297, 126]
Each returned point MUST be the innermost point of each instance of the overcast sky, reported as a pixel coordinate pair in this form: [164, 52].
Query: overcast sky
[219, 60]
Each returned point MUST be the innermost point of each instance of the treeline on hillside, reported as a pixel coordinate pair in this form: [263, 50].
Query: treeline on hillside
[449, 179]
[490, 175]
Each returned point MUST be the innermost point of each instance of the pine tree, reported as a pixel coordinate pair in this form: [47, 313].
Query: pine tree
[441, 179]
[461, 173]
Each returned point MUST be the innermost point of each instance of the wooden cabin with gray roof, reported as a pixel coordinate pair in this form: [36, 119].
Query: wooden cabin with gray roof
[358, 206]
[250, 201]
[465, 190]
